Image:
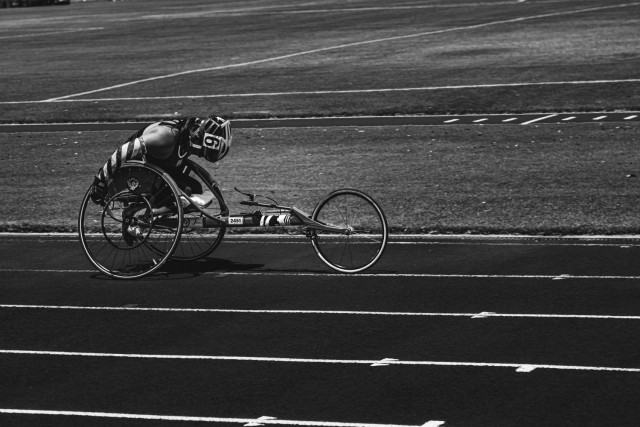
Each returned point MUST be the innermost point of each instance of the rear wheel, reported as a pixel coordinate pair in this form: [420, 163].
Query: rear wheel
[138, 228]
[362, 243]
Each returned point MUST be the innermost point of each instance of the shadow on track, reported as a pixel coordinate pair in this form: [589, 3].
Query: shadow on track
[184, 269]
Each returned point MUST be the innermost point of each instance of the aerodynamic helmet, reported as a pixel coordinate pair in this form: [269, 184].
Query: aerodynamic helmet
[211, 138]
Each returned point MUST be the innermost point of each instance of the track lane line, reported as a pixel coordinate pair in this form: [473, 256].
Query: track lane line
[332, 274]
[369, 362]
[478, 315]
[325, 92]
[264, 420]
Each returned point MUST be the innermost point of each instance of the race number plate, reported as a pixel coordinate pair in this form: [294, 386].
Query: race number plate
[236, 220]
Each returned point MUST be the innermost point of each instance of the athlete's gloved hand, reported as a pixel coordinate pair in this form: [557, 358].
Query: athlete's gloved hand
[98, 191]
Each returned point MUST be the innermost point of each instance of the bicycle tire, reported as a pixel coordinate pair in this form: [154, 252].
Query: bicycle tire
[363, 245]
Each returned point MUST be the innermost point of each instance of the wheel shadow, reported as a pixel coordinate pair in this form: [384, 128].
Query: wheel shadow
[222, 266]
[173, 270]
[190, 269]
[204, 266]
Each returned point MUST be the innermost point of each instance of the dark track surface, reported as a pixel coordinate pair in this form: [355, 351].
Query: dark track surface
[480, 332]
[596, 117]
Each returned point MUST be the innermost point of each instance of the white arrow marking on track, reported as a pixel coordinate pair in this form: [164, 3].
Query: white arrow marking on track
[384, 362]
[526, 368]
[483, 315]
[260, 421]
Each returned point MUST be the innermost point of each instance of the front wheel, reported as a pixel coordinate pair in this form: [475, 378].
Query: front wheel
[365, 231]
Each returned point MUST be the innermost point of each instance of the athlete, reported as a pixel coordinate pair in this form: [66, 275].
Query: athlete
[167, 144]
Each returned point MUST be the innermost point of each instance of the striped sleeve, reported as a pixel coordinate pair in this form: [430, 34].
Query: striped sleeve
[132, 150]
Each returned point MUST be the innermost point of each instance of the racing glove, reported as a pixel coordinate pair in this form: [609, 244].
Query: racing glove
[98, 191]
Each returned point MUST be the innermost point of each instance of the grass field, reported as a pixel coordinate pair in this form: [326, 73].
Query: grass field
[236, 53]
[552, 179]
[144, 60]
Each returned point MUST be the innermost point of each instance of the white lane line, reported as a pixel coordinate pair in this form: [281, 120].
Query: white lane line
[481, 315]
[480, 120]
[509, 120]
[346, 45]
[394, 239]
[599, 118]
[566, 119]
[539, 119]
[367, 362]
[320, 92]
[285, 241]
[329, 274]
[432, 275]
[451, 120]
[631, 117]
[246, 421]
[50, 33]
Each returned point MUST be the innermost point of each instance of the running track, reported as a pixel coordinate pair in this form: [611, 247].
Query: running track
[444, 331]
[513, 119]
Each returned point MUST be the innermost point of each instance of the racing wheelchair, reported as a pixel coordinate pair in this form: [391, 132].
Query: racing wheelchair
[147, 220]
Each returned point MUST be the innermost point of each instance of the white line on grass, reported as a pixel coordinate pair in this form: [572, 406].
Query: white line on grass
[264, 420]
[365, 8]
[199, 13]
[530, 367]
[51, 33]
[483, 314]
[327, 92]
[347, 45]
